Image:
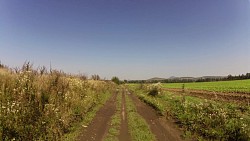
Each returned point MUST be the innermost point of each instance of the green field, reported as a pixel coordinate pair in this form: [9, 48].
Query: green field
[239, 86]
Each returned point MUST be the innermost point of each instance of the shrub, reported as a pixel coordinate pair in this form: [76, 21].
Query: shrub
[153, 89]
[153, 92]
[116, 80]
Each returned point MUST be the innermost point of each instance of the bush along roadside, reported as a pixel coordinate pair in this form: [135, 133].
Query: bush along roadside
[201, 118]
[41, 105]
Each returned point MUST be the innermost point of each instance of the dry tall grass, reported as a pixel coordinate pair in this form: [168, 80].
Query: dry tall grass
[43, 105]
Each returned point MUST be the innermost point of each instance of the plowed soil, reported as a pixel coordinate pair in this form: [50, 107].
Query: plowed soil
[230, 97]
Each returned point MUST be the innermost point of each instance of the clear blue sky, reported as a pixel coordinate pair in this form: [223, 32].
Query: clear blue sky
[131, 39]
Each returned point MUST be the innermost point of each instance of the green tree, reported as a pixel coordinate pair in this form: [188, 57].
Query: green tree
[95, 77]
[116, 80]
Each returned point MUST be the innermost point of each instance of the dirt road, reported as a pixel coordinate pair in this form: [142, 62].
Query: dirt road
[162, 129]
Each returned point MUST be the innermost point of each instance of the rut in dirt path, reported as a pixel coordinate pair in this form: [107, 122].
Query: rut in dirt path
[162, 129]
[97, 128]
[124, 134]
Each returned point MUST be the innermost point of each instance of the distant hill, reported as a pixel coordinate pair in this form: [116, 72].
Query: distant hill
[185, 79]
[156, 79]
[213, 77]
[182, 78]
[195, 78]
[172, 77]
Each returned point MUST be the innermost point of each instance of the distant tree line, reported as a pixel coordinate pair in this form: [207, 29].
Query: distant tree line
[200, 79]
[239, 77]
[136, 81]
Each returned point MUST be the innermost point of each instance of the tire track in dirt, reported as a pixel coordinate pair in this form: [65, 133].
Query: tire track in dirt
[162, 129]
[124, 134]
[98, 127]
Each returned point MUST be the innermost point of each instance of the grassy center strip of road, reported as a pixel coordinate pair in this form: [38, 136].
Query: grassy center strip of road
[118, 126]
[114, 125]
[77, 128]
[138, 127]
